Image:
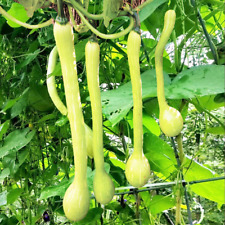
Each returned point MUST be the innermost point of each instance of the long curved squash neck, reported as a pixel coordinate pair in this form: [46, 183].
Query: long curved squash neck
[133, 49]
[169, 21]
[92, 52]
[65, 45]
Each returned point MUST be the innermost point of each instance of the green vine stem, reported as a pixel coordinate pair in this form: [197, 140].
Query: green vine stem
[178, 191]
[81, 9]
[182, 178]
[107, 36]
[26, 25]
[180, 148]
[176, 54]
[60, 8]
[208, 38]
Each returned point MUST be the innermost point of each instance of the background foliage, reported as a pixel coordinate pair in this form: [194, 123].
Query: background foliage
[36, 158]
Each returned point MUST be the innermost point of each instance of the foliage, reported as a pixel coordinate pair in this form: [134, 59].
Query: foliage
[36, 159]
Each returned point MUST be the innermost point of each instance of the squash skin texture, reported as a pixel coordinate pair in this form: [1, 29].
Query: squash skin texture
[171, 121]
[137, 169]
[89, 141]
[103, 185]
[76, 199]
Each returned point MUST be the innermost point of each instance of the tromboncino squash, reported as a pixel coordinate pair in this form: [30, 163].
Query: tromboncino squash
[137, 168]
[103, 184]
[170, 119]
[76, 199]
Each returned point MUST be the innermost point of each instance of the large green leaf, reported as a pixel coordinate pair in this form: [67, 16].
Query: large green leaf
[162, 160]
[158, 203]
[13, 195]
[197, 81]
[3, 128]
[110, 10]
[58, 189]
[32, 5]
[15, 141]
[207, 102]
[117, 103]
[29, 58]
[4, 173]
[3, 198]
[38, 98]
[18, 12]
[92, 217]
[14, 160]
[213, 190]
[150, 8]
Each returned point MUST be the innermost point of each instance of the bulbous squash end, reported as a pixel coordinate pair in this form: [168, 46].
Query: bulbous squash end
[103, 187]
[76, 201]
[171, 121]
[137, 170]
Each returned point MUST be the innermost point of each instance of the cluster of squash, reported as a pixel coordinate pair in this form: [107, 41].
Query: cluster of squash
[85, 142]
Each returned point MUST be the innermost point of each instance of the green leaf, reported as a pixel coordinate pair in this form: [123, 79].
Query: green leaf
[149, 9]
[80, 49]
[3, 198]
[158, 203]
[18, 12]
[118, 174]
[150, 124]
[110, 10]
[5, 173]
[39, 98]
[92, 217]
[29, 58]
[14, 160]
[56, 190]
[216, 130]
[162, 159]
[197, 81]
[3, 128]
[118, 102]
[13, 195]
[59, 189]
[9, 104]
[47, 117]
[61, 121]
[159, 154]
[32, 5]
[15, 141]
[20, 105]
[213, 190]
[207, 102]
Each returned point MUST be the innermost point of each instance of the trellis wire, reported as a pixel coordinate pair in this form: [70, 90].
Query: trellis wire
[157, 186]
[150, 187]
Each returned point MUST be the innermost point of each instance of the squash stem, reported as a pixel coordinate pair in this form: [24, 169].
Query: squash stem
[26, 25]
